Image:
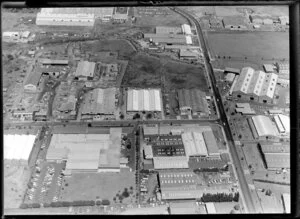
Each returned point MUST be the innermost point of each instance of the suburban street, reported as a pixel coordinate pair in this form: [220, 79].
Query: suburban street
[246, 195]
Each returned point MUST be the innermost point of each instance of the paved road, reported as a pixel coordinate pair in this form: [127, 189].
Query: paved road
[249, 205]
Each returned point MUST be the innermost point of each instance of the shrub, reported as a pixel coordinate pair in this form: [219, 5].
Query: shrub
[125, 194]
[36, 205]
[98, 202]
[23, 206]
[105, 202]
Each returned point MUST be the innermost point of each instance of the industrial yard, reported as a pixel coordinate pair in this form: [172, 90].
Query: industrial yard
[146, 110]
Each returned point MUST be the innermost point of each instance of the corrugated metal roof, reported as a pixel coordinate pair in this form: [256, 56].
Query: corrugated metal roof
[188, 40]
[97, 11]
[85, 68]
[264, 126]
[176, 162]
[194, 144]
[99, 101]
[186, 29]
[143, 100]
[275, 148]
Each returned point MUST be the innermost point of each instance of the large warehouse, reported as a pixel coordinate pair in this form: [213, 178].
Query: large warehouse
[144, 100]
[18, 147]
[192, 101]
[173, 162]
[194, 144]
[85, 70]
[99, 102]
[283, 123]
[32, 81]
[253, 85]
[87, 152]
[72, 16]
[277, 160]
[262, 127]
[168, 38]
[180, 184]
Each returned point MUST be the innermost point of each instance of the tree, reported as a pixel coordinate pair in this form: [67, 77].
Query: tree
[36, 205]
[121, 116]
[98, 202]
[149, 116]
[125, 194]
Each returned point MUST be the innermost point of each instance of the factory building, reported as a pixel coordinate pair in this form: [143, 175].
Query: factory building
[282, 123]
[284, 20]
[99, 102]
[85, 71]
[174, 162]
[276, 161]
[168, 30]
[32, 81]
[234, 22]
[194, 144]
[232, 70]
[53, 61]
[276, 147]
[72, 16]
[254, 86]
[18, 147]
[186, 29]
[185, 185]
[286, 201]
[192, 101]
[211, 144]
[168, 39]
[263, 128]
[144, 100]
[188, 54]
[52, 19]
[257, 19]
[87, 152]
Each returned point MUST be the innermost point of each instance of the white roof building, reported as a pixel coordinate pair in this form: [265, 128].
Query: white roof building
[148, 151]
[283, 123]
[56, 19]
[287, 202]
[174, 162]
[194, 144]
[210, 208]
[264, 126]
[188, 40]
[18, 146]
[144, 100]
[186, 29]
[255, 82]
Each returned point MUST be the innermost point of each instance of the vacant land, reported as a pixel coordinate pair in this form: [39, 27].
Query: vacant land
[124, 49]
[169, 19]
[256, 47]
[16, 177]
[147, 71]
[253, 157]
[87, 186]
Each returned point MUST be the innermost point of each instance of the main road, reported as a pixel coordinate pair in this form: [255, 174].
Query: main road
[246, 195]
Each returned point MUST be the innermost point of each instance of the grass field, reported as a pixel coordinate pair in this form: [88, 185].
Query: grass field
[121, 46]
[146, 71]
[16, 176]
[258, 47]
[253, 157]
[87, 186]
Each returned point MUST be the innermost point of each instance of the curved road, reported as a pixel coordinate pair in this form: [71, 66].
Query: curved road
[249, 205]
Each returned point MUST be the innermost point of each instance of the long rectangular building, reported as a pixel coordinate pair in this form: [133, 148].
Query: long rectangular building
[85, 70]
[166, 38]
[262, 127]
[255, 86]
[211, 144]
[194, 144]
[99, 102]
[144, 100]
[192, 100]
[174, 162]
[277, 147]
[277, 160]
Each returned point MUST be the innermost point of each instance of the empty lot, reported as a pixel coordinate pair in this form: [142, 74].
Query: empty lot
[87, 186]
[258, 47]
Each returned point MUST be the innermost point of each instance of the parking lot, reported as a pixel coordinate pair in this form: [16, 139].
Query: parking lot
[45, 183]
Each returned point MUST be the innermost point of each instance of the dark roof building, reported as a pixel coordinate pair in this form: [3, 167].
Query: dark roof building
[192, 100]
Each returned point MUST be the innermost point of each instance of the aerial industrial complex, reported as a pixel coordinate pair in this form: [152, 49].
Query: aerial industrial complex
[146, 110]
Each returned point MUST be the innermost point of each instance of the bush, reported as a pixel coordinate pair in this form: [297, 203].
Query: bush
[46, 205]
[23, 206]
[105, 202]
[125, 194]
[98, 202]
[36, 205]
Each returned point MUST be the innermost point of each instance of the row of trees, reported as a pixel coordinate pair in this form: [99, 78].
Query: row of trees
[220, 197]
[66, 204]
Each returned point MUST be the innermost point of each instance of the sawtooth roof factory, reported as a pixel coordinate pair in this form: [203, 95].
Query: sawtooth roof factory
[253, 85]
[144, 100]
[173, 151]
[87, 152]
